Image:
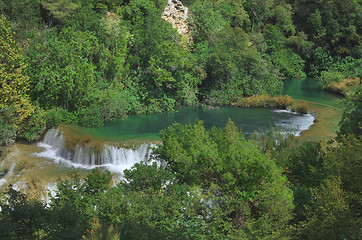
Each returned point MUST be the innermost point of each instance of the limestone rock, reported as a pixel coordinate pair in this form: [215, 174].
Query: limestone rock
[177, 14]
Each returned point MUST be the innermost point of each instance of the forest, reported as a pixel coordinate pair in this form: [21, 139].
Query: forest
[92, 61]
[88, 62]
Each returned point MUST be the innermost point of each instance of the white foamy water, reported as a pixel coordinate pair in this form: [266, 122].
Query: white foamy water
[297, 123]
[11, 169]
[113, 158]
[20, 186]
[2, 182]
[50, 189]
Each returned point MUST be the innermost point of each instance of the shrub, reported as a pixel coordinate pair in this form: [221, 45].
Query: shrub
[330, 76]
[7, 131]
[56, 115]
[279, 101]
[341, 87]
[302, 108]
[34, 127]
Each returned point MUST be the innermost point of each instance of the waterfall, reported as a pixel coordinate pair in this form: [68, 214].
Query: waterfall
[11, 169]
[7, 175]
[297, 123]
[114, 158]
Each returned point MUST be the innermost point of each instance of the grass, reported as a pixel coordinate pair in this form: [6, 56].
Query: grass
[279, 101]
[300, 107]
[343, 86]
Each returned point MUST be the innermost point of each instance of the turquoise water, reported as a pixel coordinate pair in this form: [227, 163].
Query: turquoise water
[148, 126]
[248, 119]
[308, 89]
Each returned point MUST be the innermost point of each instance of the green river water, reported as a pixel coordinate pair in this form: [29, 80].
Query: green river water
[308, 89]
[34, 168]
[248, 119]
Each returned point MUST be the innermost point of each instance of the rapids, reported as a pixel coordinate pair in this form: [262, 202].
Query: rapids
[116, 159]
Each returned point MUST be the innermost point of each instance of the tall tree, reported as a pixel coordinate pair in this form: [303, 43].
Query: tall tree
[13, 83]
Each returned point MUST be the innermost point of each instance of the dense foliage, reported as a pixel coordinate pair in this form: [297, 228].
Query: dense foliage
[235, 192]
[93, 61]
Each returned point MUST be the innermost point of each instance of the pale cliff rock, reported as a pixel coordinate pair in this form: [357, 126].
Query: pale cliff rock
[177, 14]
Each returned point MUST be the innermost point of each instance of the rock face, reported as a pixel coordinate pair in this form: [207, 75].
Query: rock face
[177, 14]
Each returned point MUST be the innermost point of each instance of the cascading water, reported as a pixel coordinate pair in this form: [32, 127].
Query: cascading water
[11, 169]
[114, 158]
[295, 124]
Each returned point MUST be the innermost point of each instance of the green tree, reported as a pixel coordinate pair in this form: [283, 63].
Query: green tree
[241, 180]
[303, 164]
[345, 161]
[7, 131]
[83, 195]
[331, 215]
[290, 64]
[15, 104]
[262, 13]
[25, 17]
[305, 170]
[21, 218]
[61, 68]
[61, 10]
[351, 122]
[331, 24]
[236, 69]
[208, 19]
[335, 210]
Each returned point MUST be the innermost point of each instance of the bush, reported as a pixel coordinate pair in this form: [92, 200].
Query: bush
[34, 127]
[7, 131]
[341, 87]
[56, 115]
[279, 101]
[302, 108]
[330, 76]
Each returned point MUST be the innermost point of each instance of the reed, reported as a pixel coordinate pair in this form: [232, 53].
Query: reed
[302, 108]
[278, 101]
[342, 87]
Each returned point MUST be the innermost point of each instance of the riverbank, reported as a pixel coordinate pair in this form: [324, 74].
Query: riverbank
[29, 173]
[325, 124]
[32, 173]
[344, 87]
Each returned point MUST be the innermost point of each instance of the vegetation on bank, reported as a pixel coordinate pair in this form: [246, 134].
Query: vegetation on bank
[89, 62]
[279, 101]
[342, 86]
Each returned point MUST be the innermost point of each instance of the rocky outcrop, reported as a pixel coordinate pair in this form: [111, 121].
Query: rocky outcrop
[177, 14]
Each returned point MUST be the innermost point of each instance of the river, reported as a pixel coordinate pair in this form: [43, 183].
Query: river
[118, 145]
